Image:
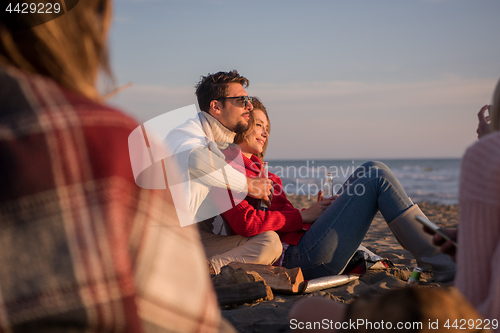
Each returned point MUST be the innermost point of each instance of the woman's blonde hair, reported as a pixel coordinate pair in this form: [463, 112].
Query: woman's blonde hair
[495, 109]
[240, 137]
[71, 49]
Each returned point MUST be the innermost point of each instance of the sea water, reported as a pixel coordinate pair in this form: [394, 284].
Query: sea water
[429, 180]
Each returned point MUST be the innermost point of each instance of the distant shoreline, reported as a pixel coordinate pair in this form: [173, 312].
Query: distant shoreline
[366, 159]
[444, 215]
[424, 180]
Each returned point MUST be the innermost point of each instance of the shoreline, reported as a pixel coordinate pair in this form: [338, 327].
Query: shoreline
[446, 215]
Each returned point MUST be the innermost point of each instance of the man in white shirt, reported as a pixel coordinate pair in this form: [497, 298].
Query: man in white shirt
[226, 109]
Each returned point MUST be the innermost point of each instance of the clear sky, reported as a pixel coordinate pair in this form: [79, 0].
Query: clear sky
[344, 79]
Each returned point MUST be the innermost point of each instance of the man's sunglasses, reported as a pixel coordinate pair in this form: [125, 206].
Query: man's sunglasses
[244, 99]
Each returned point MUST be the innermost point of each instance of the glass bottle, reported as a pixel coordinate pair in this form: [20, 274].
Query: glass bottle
[328, 186]
[264, 173]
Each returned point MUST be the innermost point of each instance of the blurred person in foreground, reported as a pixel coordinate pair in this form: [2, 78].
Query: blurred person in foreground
[478, 232]
[84, 248]
[477, 283]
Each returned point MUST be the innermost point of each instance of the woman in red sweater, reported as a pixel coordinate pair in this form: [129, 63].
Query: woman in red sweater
[322, 238]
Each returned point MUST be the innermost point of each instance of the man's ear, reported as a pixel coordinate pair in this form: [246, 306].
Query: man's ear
[215, 108]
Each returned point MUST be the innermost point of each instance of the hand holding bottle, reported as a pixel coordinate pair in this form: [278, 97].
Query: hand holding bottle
[312, 213]
[264, 173]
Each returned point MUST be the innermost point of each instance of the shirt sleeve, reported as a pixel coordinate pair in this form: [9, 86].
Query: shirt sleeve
[212, 170]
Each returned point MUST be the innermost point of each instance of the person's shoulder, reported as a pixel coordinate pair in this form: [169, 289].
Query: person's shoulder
[233, 152]
[32, 96]
[489, 140]
[191, 127]
[480, 171]
[94, 113]
[487, 149]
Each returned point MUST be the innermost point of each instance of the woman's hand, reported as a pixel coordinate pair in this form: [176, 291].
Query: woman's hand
[320, 196]
[260, 188]
[312, 213]
[483, 127]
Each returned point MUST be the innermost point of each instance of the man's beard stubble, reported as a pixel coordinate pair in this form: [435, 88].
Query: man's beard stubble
[241, 127]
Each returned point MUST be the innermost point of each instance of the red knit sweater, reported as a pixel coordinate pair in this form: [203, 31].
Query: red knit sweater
[282, 217]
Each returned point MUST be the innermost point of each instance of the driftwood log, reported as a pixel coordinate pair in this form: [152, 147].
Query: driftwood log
[240, 293]
[280, 279]
[235, 286]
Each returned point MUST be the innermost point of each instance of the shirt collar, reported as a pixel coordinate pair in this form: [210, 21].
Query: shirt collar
[219, 131]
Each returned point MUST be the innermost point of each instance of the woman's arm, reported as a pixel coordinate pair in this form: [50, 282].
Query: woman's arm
[248, 221]
[312, 213]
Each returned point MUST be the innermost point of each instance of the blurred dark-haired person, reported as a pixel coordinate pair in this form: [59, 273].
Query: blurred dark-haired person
[84, 249]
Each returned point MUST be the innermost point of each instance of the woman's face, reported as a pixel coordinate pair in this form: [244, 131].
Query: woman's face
[255, 140]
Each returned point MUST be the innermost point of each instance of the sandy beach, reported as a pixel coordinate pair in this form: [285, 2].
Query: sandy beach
[272, 316]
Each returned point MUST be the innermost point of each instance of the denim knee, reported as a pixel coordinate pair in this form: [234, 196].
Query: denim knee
[381, 173]
[374, 164]
[375, 179]
[366, 167]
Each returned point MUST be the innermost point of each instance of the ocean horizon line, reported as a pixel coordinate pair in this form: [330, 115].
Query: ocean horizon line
[364, 159]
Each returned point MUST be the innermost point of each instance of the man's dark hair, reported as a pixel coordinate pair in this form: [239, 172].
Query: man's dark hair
[214, 86]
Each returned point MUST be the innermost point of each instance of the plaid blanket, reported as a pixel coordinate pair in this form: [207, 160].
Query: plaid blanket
[82, 248]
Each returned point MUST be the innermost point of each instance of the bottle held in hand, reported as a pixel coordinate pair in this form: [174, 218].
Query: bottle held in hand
[328, 186]
[264, 173]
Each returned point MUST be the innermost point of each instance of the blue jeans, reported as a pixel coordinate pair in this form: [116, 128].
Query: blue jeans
[326, 248]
